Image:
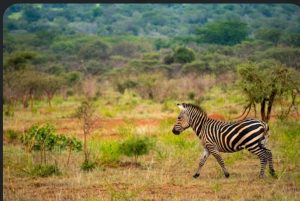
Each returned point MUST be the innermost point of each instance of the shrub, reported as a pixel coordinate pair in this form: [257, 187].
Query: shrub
[127, 84]
[88, 166]
[135, 146]
[109, 152]
[44, 170]
[191, 95]
[44, 139]
[12, 135]
[168, 59]
[183, 55]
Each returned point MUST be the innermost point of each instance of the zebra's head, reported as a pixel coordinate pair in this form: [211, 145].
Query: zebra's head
[182, 121]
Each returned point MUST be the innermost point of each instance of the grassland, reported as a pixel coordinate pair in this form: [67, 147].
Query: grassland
[163, 174]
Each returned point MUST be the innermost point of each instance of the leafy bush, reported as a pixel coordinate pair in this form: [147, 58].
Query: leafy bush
[197, 66]
[135, 146]
[223, 32]
[109, 152]
[168, 59]
[12, 135]
[44, 138]
[183, 55]
[44, 170]
[127, 84]
[88, 166]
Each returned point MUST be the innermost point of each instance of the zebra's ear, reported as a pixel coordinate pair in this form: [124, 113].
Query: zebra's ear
[180, 106]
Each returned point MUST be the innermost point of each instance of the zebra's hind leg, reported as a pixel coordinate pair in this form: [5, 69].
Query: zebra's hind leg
[201, 163]
[270, 161]
[262, 154]
[217, 155]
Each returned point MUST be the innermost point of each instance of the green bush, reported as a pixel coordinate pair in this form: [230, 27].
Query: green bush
[44, 170]
[197, 66]
[109, 152]
[168, 59]
[88, 166]
[135, 146]
[12, 135]
[127, 84]
[183, 55]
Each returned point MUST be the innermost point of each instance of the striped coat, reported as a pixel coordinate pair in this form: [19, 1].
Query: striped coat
[219, 136]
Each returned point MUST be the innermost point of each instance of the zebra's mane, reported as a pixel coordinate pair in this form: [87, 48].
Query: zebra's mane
[189, 105]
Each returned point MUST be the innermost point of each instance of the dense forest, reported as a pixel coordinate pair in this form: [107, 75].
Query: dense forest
[120, 44]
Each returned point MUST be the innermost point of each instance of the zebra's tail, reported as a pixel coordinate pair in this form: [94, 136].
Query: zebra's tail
[266, 134]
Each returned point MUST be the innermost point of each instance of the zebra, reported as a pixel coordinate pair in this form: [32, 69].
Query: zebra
[219, 136]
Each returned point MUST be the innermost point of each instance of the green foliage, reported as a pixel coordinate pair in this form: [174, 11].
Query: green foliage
[44, 170]
[272, 35]
[39, 138]
[109, 152]
[183, 55]
[44, 138]
[288, 56]
[73, 78]
[291, 39]
[88, 166]
[168, 59]
[18, 60]
[136, 146]
[161, 43]
[95, 50]
[223, 32]
[196, 66]
[262, 85]
[127, 84]
[12, 135]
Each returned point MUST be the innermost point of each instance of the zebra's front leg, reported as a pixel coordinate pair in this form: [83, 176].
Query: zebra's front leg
[203, 158]
[217, 155]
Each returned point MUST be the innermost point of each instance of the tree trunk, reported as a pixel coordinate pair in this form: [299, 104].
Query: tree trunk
[49, 101]
[31, 102]
[86, 156]
[262, 109]
[270, 104]
[254, 108]
[69, 155]
[24, 101]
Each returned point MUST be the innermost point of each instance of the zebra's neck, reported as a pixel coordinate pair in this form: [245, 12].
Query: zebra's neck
[197, 120]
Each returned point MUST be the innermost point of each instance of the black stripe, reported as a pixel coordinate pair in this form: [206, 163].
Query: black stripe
[245, 132]
[236, 129]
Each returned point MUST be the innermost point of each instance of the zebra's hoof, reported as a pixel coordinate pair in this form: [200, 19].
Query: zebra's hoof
[196, 175]
[261, 176]
[227, 174]
[273, 174]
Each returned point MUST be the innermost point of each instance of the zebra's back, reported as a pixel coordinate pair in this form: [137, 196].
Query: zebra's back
[235, 136]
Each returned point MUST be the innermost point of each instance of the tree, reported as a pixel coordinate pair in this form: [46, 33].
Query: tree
[291, 39]
[85, 113]
[18, 60]
[95, 50]
[183, 55]
[31, 13]
[263, 84]
[223, 32]
[272, 35]
[31, 86]
[288, 56]
[50, 85]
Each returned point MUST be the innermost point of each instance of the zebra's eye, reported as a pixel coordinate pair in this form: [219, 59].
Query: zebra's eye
[179, 118]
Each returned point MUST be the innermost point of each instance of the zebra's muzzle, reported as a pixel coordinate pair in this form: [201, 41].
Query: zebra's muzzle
[176, 132]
